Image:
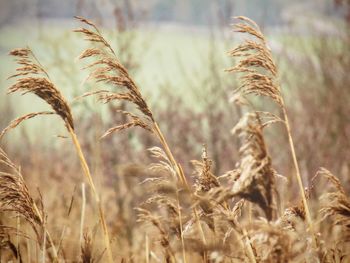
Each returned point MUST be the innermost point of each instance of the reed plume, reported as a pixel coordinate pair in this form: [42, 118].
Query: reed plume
[206, 221]
[257, 67]
[108, 69]
[32, 78]
[259, 77]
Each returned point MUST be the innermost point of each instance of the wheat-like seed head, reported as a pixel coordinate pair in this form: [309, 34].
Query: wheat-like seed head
[32, 78]
[205, 181]
[256, 65]
[107, 68]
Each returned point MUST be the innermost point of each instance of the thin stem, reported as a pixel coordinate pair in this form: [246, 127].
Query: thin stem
[61, 238]
[297, 171]
[55, 255]
[83, 162]
[181, 229]
[44, 247]
[82, 217]
[87, 174]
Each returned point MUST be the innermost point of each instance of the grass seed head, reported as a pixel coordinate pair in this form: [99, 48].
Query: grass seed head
[108, 69]
[32, 78]
[256, 66]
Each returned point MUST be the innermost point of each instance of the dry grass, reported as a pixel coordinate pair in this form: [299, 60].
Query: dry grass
[33, 78]
[158, 214]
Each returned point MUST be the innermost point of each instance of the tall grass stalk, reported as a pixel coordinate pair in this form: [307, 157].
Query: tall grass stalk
[86, 171]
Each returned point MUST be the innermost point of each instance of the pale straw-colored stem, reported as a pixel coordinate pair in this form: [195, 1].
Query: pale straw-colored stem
[43, 258]
[46, 233]
[183, 180]
[82, 216]
[297, 170]
[181, 229]
[87, 174]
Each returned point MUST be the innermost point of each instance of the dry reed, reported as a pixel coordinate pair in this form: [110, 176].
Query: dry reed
[207, 221]
[32, 78]
[259, 77]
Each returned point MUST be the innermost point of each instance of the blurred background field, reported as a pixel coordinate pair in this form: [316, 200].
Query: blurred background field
[177, 53]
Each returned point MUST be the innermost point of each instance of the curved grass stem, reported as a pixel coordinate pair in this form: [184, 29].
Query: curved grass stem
[297, 170]
[87, 174]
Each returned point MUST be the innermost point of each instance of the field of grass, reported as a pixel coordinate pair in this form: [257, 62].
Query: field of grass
[162, 176]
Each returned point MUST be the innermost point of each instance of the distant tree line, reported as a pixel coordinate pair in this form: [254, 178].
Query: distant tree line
[193, 12]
